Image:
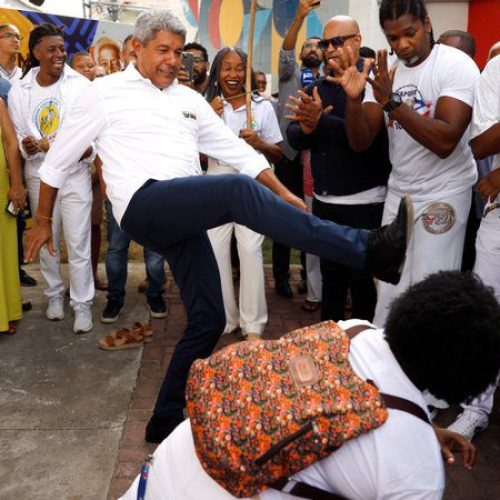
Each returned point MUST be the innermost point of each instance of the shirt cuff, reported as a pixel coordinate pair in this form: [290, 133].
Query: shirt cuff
[256, 166]
[52, 177]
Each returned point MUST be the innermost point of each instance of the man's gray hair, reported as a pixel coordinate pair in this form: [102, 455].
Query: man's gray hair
[150, 22]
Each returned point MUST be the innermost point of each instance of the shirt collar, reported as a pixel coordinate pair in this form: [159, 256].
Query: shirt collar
[131, 73]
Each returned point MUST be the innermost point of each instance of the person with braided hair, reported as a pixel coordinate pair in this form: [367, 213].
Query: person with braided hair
[424, 96]
[38, 104]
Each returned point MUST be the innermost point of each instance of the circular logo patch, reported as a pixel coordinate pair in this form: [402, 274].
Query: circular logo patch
[438, 217]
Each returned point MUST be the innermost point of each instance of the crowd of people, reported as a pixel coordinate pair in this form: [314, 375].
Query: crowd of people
[376, 158]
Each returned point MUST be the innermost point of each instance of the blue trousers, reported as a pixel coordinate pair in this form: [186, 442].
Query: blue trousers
[117, 259]
[171, 218]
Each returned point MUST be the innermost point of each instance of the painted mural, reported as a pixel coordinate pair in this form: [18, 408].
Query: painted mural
[103, 39]
[213, 23]
[219, 23]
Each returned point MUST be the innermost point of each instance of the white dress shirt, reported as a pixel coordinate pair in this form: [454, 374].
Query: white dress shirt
[142, 133]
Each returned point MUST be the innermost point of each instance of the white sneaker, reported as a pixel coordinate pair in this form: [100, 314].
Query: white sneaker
[83, 319]
[55, 309]
[468, 423]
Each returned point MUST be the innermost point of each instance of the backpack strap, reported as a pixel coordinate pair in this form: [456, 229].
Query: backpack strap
[303, 490]
[354, 330]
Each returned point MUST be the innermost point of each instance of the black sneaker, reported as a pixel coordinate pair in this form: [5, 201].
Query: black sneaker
[386, 252]
[157, 307]
[159, 428]
[26, 279]
[112, 311]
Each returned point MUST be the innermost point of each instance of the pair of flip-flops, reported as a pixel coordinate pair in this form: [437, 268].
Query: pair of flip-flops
[126, 338]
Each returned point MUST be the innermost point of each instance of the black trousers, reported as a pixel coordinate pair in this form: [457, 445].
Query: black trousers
[338, 279]
[290, 174]
[171, 218]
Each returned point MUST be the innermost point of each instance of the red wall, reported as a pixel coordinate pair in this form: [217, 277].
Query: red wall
[484, 25]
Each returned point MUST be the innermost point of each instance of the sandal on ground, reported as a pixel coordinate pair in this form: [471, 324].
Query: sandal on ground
[12, 329]
[122, 339]
[145, 330]
[310, 306]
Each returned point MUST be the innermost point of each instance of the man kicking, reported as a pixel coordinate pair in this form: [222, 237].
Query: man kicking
[149, 131]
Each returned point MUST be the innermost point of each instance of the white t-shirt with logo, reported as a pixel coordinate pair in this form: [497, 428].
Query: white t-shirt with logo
[447, 72]
[45, 109]
[264, 122]
[487, 103]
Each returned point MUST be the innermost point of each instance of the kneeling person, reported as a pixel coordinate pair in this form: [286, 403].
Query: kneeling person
[401, 458]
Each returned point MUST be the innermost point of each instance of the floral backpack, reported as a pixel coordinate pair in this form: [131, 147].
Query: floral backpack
[261, 411]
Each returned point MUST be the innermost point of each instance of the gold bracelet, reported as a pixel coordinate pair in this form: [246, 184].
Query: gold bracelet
[43, 217]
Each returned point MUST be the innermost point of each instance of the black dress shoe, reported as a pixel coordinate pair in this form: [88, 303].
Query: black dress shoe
[26, 279]
[283, 288]
[387, 245]
[27, 306]
[159, 428]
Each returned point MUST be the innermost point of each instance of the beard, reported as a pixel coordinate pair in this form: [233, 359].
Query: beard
[199, 77]
[311, 61]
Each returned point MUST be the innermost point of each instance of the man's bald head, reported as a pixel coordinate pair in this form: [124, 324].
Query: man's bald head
[340, 32]
[494, 51]
[343, 23]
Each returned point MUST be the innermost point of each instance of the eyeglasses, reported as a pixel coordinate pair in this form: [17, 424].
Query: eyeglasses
[198, 60]
[336, 41]
[310, 45]
[10, 36]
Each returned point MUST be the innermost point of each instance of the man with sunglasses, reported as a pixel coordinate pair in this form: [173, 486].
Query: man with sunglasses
[291, 79]
[349, 187]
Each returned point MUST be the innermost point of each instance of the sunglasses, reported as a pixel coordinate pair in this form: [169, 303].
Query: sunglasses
[336, 41]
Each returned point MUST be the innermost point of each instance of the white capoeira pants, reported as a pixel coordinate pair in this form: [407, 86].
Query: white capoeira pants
[71, 214]
[251, 314]
[487, 267]
[436, 244]
[313, 270]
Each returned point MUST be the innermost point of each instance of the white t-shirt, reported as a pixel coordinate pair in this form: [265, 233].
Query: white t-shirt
[264, 122]
[486, 111]
[399, 460]
[13, 76]
[45, 108]
[447, 72]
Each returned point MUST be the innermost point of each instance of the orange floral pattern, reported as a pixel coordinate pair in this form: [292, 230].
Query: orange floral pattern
[243, 401]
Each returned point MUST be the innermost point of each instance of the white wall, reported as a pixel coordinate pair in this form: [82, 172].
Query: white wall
[448, 16]
[444, 16]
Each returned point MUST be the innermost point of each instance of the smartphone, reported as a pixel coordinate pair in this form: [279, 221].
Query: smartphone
[12, 209]
[187, 63]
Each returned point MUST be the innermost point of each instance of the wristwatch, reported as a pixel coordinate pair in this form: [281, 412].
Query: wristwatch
[394, 102]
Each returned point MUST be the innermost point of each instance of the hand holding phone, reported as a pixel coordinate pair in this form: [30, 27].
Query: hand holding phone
[187, 64]
[11, 209]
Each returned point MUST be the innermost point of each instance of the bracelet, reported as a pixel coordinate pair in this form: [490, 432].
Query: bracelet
[43, 218]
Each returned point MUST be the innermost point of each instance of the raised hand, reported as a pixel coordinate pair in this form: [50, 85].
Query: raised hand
[305, 6]
[307, 110]
[347, 74]
[383, 79]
